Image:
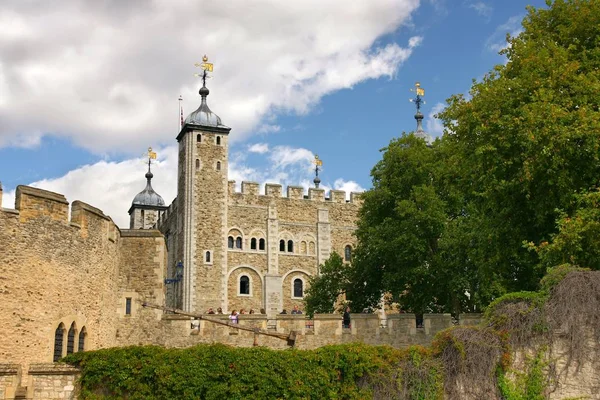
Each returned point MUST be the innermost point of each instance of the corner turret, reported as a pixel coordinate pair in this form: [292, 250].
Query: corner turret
[147, 205]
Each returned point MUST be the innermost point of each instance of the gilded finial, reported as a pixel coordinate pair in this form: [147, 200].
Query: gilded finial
[418, 100]
[318, 163]
[206, 67]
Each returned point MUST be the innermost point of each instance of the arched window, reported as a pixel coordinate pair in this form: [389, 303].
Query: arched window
[59, 334]
[218, 140]
[302, 247]
[311, 248]
[282, 245]
[253, 244]
[230, 242]
[290, 246]
[198, 138]
[298, 288]
[348, 253]
[71, 339]
[197, 163]
[218, 165]
[244, 285]
[261, 244]
[238, 243]
[82, 335]
[207, 257]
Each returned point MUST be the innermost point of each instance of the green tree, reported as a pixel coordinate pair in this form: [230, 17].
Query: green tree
[325, 288]
[578, 239]
[529, 135]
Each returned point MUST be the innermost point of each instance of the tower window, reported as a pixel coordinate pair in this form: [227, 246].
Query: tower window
[71, 339]
[238, 243]
[218, 165]
[82, 335]
[230, 242]
[128, 306]
[298, 288]
[290, 246]
[207, 257]
[348, 253]
[218, 140]
[58, 342]
[261, 244]
[197, 163]
[244, 285]
[282, 245]
[198, 138]
[253, 244]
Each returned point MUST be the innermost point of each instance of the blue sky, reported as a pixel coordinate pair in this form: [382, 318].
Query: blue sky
[85, 90]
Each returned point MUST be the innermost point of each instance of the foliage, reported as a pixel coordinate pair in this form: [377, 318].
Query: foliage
[555, 275]
[578, 239]
[325, 288]
[521, 315]
[218, 371]
[530, 384]
[528, 136]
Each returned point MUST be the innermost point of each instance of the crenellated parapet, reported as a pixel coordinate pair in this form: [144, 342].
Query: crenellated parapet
[33, 204]
[251, 190]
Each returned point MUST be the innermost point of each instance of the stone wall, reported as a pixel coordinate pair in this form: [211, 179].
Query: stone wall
[52, 382]
[55, 271]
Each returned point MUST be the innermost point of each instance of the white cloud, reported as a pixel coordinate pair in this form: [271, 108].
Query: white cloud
[259, 148]
[433, 125]
[483, 9]
[111, 186]
[497, 41]
[108, 74]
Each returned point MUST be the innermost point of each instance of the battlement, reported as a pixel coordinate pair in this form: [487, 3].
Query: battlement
[275, 190]
[33, 203]
[167, 214]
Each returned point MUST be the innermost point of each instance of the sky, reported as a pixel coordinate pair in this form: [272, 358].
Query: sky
[86, 87]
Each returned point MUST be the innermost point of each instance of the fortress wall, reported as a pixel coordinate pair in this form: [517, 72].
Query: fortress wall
[55, 271]
[399, 330]
[141, 278]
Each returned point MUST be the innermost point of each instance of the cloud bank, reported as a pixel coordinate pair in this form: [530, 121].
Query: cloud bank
[107, 74]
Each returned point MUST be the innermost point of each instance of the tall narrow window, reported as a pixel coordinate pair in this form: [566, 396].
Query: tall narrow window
[238, 243]
[218, 165]
[82, 335]
[302, 247]
[282, 245]
[298, 288]
[253, 244]
[128, 306]
[290, 246]
[59, 334]
[230, 242]
[348, 253]
[207, 257]
[244, 285]
[218, 140]
[71, 339]
[197, 163]
[261, 244]
[198, 138]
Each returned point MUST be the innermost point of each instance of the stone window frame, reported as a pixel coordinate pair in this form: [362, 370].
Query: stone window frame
[230, 242]
[199, 138]
[197, 163]
[239, 285]
[211, 257]
[71, 320]
[218, 166]
[81, 340]
[262, 244]
[59, 341]
[290, 246]
[293, 294]
[71, 333]
[348, 250]
[218, 140]
[253, 244]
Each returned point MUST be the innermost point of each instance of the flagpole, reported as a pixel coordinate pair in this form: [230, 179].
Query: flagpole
[180, 112]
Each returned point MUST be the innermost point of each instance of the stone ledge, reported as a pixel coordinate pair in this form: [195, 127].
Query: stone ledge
[44, 194]
[52, 369]
[140, 233]
[9, 369]
[80, 205]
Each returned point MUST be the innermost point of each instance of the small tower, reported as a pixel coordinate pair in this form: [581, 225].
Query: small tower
[147, 205]
[202, 191]
[420, 132]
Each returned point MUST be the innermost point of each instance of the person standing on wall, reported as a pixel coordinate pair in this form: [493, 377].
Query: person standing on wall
[346, 318]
